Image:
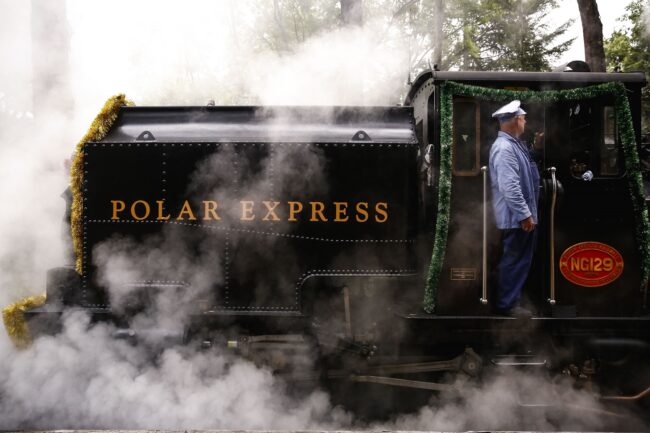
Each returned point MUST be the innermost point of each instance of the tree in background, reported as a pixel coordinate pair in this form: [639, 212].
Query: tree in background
[628, 49]
[415, 22]
[438, 35]
[352, 12]
[50, 56]
[508, 35]
[284, 24]
[479, 34]
[463, 34]
[592, 33]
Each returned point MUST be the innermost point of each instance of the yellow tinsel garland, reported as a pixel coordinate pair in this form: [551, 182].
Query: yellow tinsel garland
[15, 323]
[98, 130]
[14, 314]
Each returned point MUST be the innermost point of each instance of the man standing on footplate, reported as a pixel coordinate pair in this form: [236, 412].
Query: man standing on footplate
[515, 193]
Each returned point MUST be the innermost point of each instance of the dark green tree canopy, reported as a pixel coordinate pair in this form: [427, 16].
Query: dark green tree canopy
[628, 49]
[499, 35]
[495, 35]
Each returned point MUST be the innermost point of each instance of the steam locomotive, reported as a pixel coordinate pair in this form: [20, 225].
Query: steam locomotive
[277, 232]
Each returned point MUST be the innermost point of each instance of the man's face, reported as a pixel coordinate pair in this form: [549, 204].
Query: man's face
[520, 122]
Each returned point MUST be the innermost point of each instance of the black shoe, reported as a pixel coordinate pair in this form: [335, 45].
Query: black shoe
[518, 312]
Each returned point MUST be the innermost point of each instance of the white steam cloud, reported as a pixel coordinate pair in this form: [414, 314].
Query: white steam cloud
[83, 378]
[168, 53]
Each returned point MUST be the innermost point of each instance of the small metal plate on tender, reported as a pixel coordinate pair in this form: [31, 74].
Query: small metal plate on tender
[463, 274]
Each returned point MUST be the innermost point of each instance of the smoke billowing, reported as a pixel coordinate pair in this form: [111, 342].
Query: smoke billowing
[85, 379]
[167, 53]
[164, 53]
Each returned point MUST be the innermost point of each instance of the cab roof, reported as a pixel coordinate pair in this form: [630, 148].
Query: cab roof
[532, 80]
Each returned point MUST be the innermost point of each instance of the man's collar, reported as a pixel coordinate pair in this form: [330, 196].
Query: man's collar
[506, 135]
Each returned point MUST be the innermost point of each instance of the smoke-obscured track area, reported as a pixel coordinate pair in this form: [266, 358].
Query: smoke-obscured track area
[252, 431]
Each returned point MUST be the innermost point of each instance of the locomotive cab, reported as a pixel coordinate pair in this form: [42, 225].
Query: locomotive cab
[590, 252]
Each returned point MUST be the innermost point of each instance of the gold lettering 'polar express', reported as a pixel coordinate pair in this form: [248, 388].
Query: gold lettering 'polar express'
[249, 210]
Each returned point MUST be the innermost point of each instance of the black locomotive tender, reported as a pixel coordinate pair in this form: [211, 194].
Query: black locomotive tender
[312, 229]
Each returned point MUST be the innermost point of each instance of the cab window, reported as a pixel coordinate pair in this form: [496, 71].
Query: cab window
[594, 140]
[466, 135]
[609, 147]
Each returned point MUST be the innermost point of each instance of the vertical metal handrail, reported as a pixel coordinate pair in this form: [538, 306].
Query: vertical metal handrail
[484, 298]
[551, 299]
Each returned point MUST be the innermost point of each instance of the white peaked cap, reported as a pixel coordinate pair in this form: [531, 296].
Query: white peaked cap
[509, 110]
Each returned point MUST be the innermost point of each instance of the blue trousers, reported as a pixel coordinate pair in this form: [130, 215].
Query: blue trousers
[518, 248]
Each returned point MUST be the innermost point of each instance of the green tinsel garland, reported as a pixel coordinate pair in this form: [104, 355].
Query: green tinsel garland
[444, 201]
[626, 132]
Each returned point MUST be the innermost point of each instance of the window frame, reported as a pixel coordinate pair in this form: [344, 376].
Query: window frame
[476, 170]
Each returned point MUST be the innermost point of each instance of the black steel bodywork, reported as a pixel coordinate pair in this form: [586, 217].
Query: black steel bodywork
[356, 155]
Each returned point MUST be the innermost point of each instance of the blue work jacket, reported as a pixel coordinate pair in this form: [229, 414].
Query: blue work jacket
[515, 182]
